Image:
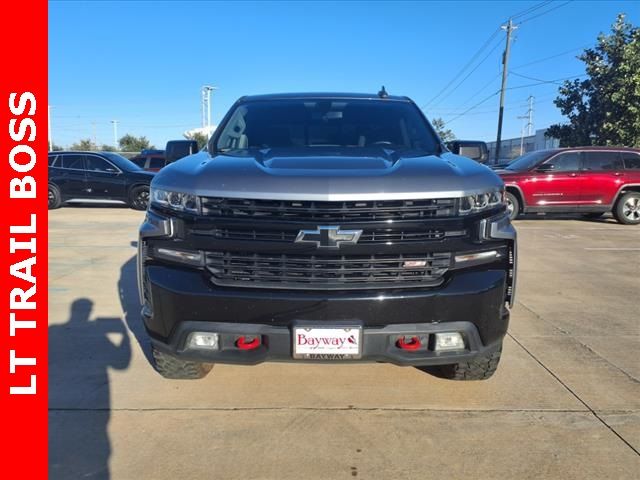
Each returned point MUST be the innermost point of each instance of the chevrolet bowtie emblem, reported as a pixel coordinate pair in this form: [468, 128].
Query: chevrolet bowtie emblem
[329, 237]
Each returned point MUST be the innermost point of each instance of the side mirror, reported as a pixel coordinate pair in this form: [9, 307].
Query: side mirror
[545, 167]
[177, 149]
[473, 149]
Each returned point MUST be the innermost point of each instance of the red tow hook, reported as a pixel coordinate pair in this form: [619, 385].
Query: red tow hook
[413, 343]
[242, 343]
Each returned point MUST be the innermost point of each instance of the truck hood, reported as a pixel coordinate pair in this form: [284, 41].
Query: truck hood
[337, 175]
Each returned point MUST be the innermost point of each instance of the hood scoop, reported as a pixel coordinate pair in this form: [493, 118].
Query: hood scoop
[328, 163]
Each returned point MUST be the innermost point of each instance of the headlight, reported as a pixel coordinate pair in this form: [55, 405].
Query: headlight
[181, 202]
[481, 202]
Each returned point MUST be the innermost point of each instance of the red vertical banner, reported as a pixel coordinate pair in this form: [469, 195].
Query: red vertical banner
[23, 219]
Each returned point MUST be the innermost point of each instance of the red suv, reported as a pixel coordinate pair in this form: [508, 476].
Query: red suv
[588, 180]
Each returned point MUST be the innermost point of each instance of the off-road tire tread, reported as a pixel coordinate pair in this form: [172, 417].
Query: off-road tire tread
[480, 368]
[171, 367]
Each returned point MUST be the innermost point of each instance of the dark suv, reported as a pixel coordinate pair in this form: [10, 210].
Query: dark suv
[327, 228]
[102, 177]
[587, 180]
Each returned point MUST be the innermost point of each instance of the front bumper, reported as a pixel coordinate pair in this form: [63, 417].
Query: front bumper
[378, 344]
[472, 303]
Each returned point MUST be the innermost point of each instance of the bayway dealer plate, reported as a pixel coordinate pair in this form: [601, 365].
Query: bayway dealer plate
[342, 343]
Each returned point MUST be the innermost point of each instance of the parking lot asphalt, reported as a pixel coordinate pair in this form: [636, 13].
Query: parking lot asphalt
[565, 402]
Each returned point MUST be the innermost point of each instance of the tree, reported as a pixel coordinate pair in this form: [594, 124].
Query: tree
[604, 108]
[56, 148]
[445, 134]
[199, 137]
[131, 143]
[84, 145]
[108, 148]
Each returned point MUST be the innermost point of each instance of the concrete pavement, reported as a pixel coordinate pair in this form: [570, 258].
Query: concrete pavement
[565, 401]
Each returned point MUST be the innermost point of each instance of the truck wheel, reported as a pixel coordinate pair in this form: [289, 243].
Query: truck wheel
[627, 209]
[513, 205]
[55, 201]
[480, 368]
[171, 367]
[139, 197]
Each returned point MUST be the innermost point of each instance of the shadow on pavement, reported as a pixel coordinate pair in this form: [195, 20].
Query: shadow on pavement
[81, 351]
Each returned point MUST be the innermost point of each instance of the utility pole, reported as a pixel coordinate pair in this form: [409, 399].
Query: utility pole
[530, 115]
[509, 28]
[50, 134]
[115, 133]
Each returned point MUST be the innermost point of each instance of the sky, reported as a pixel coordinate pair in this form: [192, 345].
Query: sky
[143, 63]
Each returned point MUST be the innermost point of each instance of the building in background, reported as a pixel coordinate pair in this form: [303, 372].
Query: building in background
[514, 147]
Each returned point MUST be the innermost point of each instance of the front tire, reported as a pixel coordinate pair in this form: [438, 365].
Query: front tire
[171, 367]
[513, 205]
[139, 197]
[54, 197]
[627, 209]
[480, 368]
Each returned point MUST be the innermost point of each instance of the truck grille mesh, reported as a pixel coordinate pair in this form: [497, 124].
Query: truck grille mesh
[327, 272]
[369, 236]
[328, 211]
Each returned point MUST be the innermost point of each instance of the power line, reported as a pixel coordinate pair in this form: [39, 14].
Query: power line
[541, 82]
[468, 74]
[550, 58]
[464, 68]
[545, 12]
[530, 9]
[473, 107]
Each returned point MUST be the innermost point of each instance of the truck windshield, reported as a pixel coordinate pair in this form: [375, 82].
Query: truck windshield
[316, 123]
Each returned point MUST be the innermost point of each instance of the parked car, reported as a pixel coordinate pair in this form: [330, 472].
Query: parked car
[97, 177]
[330, 228]
[588, 180]
[151, 160]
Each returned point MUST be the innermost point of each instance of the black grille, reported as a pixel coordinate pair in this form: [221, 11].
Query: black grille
[369, 236]
[328, 211]
[327, 272]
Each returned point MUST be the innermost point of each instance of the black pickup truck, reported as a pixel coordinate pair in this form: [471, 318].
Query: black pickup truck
[327, 228]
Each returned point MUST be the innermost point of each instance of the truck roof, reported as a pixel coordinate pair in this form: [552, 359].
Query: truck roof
[322, 95]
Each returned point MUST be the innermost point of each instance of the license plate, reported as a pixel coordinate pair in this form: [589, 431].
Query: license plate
[344, 343]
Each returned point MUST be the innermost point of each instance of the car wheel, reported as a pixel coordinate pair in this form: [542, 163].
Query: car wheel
[54, 198]
[139, 197]
[627, 209]
[171, 367]
[513, 205]
[480, 368]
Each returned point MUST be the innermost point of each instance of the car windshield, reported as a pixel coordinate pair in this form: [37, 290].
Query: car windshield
[316, 123]
[528, 161]
[122, 162]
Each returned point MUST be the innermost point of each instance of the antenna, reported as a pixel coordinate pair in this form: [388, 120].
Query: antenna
[383, 93]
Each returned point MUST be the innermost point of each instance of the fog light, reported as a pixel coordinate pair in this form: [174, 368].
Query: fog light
[203, 340]
[449, 341]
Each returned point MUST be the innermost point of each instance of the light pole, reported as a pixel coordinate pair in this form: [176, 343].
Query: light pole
[115, 133]
[206, 101]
